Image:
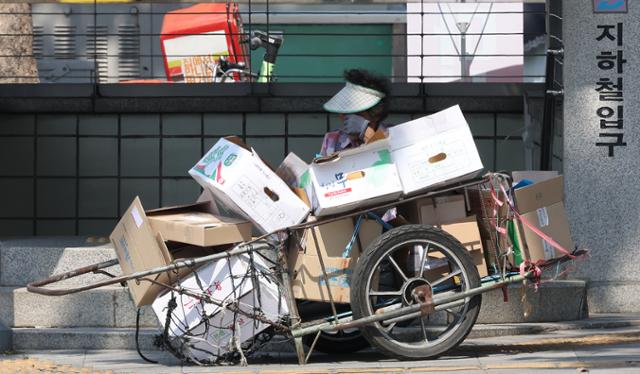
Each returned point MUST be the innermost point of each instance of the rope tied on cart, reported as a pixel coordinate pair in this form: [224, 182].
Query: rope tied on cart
[237, 321]
[534, 270]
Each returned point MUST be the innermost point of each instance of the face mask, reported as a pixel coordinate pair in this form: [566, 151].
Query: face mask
[354, 124]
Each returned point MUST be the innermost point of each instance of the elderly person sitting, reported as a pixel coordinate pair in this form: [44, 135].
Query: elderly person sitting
[362, 105]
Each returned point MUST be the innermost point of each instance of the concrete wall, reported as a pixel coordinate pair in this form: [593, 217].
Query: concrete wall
[602, 190]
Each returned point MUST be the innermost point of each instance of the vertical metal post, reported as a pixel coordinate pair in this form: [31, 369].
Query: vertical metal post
[324, 272]
[554, 45]
[463, 56]
[548, 118]
[288, 293]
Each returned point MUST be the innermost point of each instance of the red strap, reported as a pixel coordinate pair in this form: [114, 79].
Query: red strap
[498, 203]
[528, 266]
[541, 234]
[495, 197]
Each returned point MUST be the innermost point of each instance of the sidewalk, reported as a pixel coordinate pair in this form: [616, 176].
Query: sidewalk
[601, 344]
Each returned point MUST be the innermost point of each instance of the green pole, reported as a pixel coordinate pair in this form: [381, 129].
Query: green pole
[266, 72]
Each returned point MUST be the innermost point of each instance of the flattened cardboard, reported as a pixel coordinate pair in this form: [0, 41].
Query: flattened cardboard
[435, 211]
[308, 282]
[138, 247]
[467, 233]
[192, 225]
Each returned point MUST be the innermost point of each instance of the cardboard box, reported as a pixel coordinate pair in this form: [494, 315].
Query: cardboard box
[354, 178]
[539, 195]
[371, 136]
[225, 281]
[193, 224]
[139, 248]
[241, 182]
[433, 150]
[434, 211]
[552, 221]
[295, 173]
[533, 175]
[271, 304]
[467, 233]
[308, 282]
[541, 205]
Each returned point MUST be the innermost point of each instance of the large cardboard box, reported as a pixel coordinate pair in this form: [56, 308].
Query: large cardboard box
[541, 205]
[537, 195]
[534, 176]
[193, 224]
[219, 330]
[434, 211]
[354, 178]
[242, 183]
[225, 281]
[308, 282]
[483, 205]
[139, 247]
[466, 232]
[433, 150]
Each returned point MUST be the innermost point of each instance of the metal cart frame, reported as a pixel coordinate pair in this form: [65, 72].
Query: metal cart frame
[427, 302]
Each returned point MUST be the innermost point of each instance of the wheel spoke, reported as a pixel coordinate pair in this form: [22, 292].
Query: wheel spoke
[424, 330]
[385, 293]
[423, 262]
[416, 257]
[450, 311]
[398, 269]
[444, 279]
[389, 327]
[453, 314]
[388, 308]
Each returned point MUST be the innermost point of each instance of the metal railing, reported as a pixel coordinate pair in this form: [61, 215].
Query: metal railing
[408, 41]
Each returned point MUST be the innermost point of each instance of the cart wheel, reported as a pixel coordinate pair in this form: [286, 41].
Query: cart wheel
[402, 261]
[338, 342]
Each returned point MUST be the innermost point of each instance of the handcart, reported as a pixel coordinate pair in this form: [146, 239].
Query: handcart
[403, 312]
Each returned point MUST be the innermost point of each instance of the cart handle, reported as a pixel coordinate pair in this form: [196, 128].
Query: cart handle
[35, 286]
[38, 286]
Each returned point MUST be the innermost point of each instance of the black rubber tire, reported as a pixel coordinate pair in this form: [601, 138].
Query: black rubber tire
[365, 267]
[338, 343]
[333, 343]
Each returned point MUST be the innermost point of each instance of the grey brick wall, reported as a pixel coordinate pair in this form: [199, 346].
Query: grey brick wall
[68, 174]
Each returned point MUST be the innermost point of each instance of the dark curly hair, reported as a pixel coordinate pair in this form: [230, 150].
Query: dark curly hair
[368, 79]
[365, 78]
